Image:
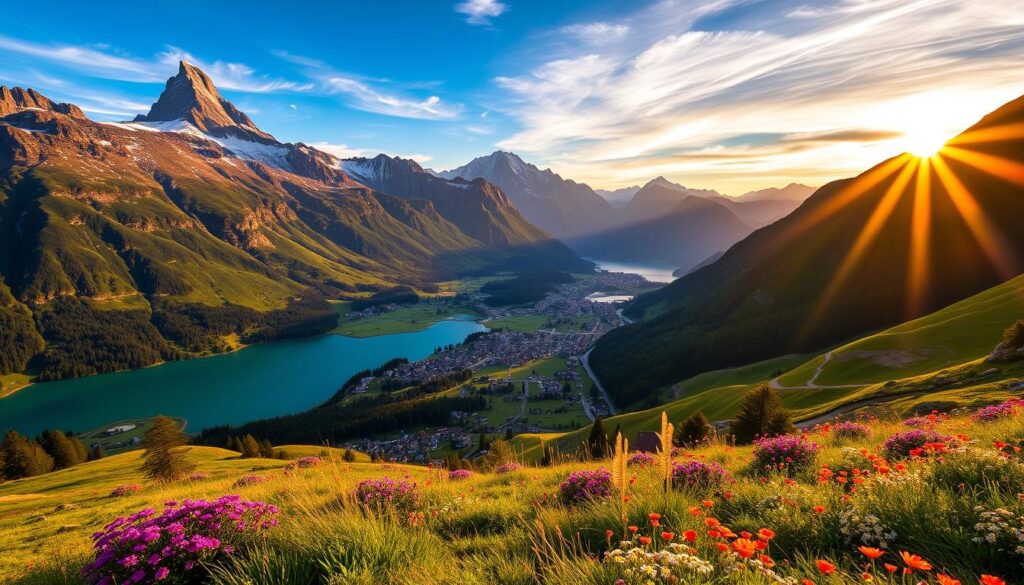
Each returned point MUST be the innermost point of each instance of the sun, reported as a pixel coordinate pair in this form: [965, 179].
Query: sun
[924, 143]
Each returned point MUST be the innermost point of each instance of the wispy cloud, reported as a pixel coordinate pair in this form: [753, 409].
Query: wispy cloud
[597, 32]
[481, 11]
[687, 77]
[366, 98]
[103, 62]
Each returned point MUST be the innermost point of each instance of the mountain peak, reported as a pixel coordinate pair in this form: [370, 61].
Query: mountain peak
[17, 98]
[192, 96]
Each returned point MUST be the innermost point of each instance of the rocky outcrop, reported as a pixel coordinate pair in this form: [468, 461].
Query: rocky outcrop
[16, 99]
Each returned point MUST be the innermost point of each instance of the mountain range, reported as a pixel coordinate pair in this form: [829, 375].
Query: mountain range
[655, 222]
[192, 208]
[907, 237]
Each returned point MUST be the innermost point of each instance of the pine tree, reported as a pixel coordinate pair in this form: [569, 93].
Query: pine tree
[23, 457]
[97, 453]
[66, 451]
[761, 415]
[597, 443]
[266, 449]
[165, 458]
[694, 429]
[548, 458]
[250, 447]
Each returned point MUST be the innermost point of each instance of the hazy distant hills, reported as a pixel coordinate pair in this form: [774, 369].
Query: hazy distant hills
[192, 205]
[618, 197]
[563, 207]
[922, 236]
[653, 222]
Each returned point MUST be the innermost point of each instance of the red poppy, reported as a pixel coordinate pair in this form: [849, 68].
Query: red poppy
[645, 540]
[766, 534]
[710, 522]
[722, 546]
[825, 567]
[818, 509]
[667, 535]
[695, 511]
[991, 580]
[890, 567]
[633, 529]
[914, 562]
[947, 580]
[690, 535]
[743, 547]
[871, 552]
[767, 561]
[707, 503]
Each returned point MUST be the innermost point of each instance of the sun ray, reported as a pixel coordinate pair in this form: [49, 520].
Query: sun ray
[988, 236]
[920, 237]
[991, 134]
[867, 235]
[1005, 169]
[855, 189]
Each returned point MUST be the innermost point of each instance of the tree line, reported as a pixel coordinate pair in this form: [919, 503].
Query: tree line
[22, 456]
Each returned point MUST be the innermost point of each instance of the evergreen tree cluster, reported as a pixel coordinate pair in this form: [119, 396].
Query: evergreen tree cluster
[22, 456]
[250, 448]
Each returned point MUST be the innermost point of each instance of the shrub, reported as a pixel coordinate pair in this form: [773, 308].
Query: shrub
[694, 430]
[699, 476]
[641, 458]
[459, 474]
[761, 415]
[786, 452]
[125, 490]
[177, 545]
[307, 462]
[584, 485]
[251, 479]
[385, 492]
[199, 476]
[906, 443]
[508, 468]
[850, 430]
[998, 411]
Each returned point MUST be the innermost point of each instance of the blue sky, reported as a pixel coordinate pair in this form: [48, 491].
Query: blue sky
[729, 94]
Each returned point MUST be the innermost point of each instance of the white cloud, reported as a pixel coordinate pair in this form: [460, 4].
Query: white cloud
[346, 151]
[293, 107]
[103, 62]
[597, 32]
[481, 11]
[366, 98]
[668, 90]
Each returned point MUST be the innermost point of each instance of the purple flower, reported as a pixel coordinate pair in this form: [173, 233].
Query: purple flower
[581, 486]
[641, 458]
[381, 494]
[899, 445]
[181, 541]
[790, 453]
[508, 468]
[998, 411]
[459, 474]
[699, 476]
[851, 430]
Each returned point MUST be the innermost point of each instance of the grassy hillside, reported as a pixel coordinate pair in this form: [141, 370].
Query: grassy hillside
[517, 529]
[937, 360]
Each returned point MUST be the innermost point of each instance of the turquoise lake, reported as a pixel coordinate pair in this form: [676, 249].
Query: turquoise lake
[261, 381]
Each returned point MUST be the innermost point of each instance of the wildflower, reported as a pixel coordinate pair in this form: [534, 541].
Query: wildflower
[707, 503]
[947, 580]
[743, 547]
[914, 562]
[667, 535]
[645, 540]
[825, 567]
[700, 476]
[694, 510]
[690, 535]
[785, 452]
[890, 567]
[991, 580]
[584, 485]
[871, 552]
[818, 509]
[385, 493]
[766, 560]
[867, 577]
[459, 474]
[633, 529]
[766, 534]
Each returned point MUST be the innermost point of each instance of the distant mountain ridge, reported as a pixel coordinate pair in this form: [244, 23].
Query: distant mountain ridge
[560, 206]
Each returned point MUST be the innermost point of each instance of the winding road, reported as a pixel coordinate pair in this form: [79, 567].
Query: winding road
[597, 382]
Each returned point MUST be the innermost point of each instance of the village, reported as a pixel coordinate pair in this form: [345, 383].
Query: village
[533, 381]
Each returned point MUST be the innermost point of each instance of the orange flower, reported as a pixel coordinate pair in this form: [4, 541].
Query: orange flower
[633, 529]
[818, 509]
[667, 535]
[766, 534]
[608, 534]
[645, 540]
[914, 562]
[947, 580]
[871, 552]
[722, 546]
[743, 547]
[707, 503]
[767, 561]
[690, 535]
[806, 582]
[710, 522]
[654, 516]
[890, 567]
[724, 531]
[695, 511]
[825, 567]
[991, 580]
[867, 577]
